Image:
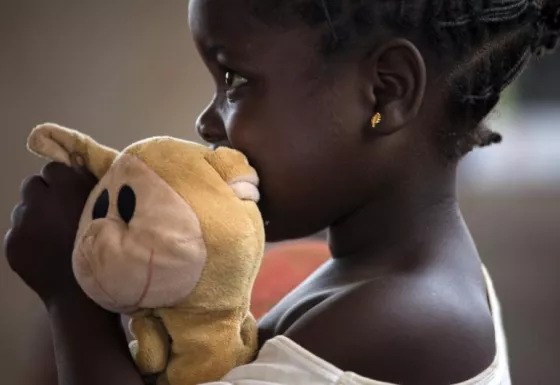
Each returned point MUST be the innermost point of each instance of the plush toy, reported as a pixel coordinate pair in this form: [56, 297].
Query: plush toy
[172, 236]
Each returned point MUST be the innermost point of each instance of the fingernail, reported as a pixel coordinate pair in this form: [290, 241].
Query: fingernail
[77, 160]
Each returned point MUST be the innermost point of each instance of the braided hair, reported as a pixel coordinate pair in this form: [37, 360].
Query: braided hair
[483, 44]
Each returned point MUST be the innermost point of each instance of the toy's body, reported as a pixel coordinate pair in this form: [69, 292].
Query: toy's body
[172, 236]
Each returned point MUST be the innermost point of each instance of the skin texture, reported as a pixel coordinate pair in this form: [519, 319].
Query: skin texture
[403, 300]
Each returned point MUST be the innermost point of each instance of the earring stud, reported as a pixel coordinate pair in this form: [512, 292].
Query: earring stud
[375, 120]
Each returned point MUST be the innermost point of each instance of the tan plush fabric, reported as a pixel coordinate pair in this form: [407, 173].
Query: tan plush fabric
[179, 250]
[60, 144]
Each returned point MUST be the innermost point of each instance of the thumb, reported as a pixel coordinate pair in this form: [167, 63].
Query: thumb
[78, 165]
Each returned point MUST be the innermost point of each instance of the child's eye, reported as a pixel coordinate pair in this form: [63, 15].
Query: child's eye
[234, 80]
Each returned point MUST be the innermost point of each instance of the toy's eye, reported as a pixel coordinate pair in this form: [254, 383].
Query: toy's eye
[101, 207]
[126, 203]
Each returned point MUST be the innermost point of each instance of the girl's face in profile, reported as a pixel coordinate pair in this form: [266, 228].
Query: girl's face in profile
[298, 118]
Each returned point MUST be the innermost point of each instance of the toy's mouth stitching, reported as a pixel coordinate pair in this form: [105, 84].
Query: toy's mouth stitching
[148, 280]
[101, 286]
[87, 264]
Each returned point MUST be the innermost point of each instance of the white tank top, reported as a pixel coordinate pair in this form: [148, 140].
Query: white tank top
[281, 362]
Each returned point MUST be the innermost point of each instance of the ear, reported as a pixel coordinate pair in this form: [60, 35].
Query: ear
[234, 168]
[397, 84]
[70, 147]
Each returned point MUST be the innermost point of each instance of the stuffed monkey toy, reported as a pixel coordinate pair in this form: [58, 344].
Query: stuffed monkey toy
[171, 236]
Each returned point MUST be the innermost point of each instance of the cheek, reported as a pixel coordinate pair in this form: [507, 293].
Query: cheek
[296, 117]
[266, 110]
[306, 142]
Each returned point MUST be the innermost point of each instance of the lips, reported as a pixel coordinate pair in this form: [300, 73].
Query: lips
[149, 275]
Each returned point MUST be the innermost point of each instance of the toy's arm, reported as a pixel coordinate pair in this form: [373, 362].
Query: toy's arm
[249, 335]
[150, 350]
[234, 168]
[207, 346]
[69, 146]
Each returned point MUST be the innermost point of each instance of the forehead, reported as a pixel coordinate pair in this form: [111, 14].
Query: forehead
[231, 26]
[217, 22]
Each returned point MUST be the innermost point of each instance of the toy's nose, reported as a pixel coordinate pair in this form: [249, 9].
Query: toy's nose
[126, 203]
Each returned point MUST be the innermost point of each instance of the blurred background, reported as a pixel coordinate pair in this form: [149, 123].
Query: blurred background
[124, 70]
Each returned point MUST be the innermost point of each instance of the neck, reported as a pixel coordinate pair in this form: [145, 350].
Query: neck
[404, 221]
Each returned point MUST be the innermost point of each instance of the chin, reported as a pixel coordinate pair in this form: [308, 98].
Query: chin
[280, 230]
[274, 230]
[282, 225]
[274, 235]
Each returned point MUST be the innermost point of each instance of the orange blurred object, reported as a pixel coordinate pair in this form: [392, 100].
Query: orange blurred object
[283, 268]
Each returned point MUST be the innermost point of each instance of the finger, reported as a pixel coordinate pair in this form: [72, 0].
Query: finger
[33, 187]
[6, 242]
[17, 215]
[79, 165]
[77, 160]
[62, 175]
[14, 248]
[7, 238]
[86, 175]
[9, 246]
[56, 173]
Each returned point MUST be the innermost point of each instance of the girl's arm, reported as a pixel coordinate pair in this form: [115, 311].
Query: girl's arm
[40, 366]
[90, 344]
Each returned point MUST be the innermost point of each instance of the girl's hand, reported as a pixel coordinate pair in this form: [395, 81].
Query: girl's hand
[44, 225]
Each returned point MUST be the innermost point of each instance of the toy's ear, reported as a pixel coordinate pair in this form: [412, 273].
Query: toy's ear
[234, 168]
[70, 147]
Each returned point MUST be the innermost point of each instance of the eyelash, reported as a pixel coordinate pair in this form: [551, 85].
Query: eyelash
[230, 77]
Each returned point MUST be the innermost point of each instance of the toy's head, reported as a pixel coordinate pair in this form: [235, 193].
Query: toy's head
[170, 223]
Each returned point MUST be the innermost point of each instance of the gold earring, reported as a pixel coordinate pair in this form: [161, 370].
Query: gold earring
[375, 120]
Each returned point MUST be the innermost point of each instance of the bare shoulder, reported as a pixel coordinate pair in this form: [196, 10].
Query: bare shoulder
[398, 330]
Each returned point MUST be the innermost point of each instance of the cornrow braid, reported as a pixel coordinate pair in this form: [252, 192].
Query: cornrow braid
[484, 45]
[504, 36]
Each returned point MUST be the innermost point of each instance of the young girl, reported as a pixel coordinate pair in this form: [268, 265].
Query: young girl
[356, 114]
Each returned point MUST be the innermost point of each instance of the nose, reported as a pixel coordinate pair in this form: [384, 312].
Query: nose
[210, 126]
